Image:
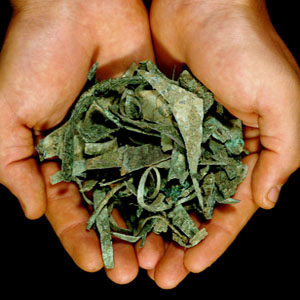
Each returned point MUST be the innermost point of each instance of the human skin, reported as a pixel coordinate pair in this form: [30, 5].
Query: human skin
[232, 47]
[48, 51]
[49, 48]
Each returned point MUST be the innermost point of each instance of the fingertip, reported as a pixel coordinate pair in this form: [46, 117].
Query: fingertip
[167, 284]
[124, 277]
[82, 246]
[125, 263]
[34, 203]
[34, 209]
[91, 265]
[27, 185]
[149, 255]
[269, 175]
[88, 256]
[203, 255]
[193, 267]
[271, 197]
[170, 270]
[23, 179]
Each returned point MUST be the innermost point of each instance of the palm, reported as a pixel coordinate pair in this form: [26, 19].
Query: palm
[235, 51]
[44, 65]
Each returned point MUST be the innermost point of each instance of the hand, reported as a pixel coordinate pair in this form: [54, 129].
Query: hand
[232, 47]
[48, 51]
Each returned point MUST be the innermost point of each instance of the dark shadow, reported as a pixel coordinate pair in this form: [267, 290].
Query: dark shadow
[168, 64]
[285, 19]
[5, 16]
[116, 68]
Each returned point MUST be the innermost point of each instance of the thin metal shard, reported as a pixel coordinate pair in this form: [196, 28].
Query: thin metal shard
[156, 149]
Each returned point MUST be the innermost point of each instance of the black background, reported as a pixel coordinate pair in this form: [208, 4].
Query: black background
[262, 261]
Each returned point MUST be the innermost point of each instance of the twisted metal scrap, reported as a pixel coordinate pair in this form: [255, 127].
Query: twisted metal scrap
[154, 148]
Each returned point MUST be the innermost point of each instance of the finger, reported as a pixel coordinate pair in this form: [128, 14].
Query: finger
[253, 145]
[279, 126]
[149, 255]
[68, 218]
[170, 270]
[227, 222]
[125, 262]
[18, 171]
[252, 139]
[250, 132]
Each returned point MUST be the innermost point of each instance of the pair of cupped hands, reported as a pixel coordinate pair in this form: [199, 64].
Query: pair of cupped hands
[229, 45]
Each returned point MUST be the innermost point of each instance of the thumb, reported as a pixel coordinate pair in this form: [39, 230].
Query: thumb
[19, 172]
[279, 135]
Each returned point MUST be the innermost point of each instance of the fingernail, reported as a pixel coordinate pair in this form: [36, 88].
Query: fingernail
[274, 193]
